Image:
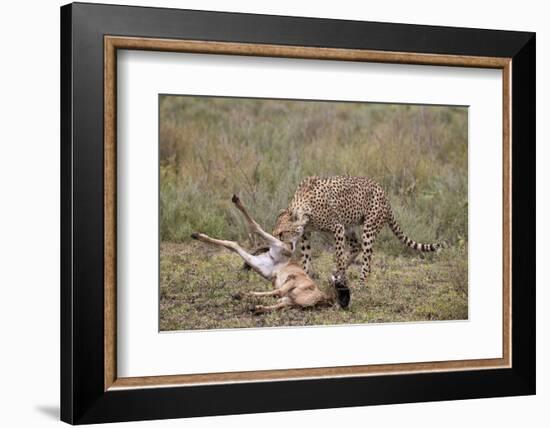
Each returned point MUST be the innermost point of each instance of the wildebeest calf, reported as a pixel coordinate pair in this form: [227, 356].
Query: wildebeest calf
[292, 286]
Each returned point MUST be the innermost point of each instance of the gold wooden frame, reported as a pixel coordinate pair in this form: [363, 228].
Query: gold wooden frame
[112, 43]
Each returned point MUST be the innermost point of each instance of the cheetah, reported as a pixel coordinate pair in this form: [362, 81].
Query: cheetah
[292, 286]
[337, 204]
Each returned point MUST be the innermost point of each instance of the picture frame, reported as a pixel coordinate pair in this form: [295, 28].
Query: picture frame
[91, 391]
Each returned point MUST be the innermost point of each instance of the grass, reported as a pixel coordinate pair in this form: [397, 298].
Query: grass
[213, 147]
[198, 282]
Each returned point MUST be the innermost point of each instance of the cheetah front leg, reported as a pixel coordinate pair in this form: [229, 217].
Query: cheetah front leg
[339, 240]
[306, 253]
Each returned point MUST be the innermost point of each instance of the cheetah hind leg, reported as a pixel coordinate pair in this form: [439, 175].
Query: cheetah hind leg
[370, 232]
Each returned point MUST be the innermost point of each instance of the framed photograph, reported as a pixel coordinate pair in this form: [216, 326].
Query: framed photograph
[266, 213]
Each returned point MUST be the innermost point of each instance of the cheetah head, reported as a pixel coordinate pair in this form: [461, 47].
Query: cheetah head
[289, 227]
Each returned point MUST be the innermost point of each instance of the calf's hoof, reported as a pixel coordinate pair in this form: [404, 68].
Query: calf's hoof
[235, 199]
[343, 292]
[257, 309]
[343, 297]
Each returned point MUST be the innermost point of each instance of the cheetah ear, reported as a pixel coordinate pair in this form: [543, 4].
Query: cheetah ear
[282, 212]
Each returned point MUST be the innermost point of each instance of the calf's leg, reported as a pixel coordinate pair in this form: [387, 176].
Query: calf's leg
[253, 261]
[281, 303]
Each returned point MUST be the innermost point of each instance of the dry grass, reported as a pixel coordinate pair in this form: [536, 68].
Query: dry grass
[211, 148]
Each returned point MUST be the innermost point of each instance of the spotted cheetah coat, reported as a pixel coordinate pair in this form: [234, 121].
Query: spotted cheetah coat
[337, 204]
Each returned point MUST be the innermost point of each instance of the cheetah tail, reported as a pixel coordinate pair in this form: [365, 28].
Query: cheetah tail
[396, 229]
